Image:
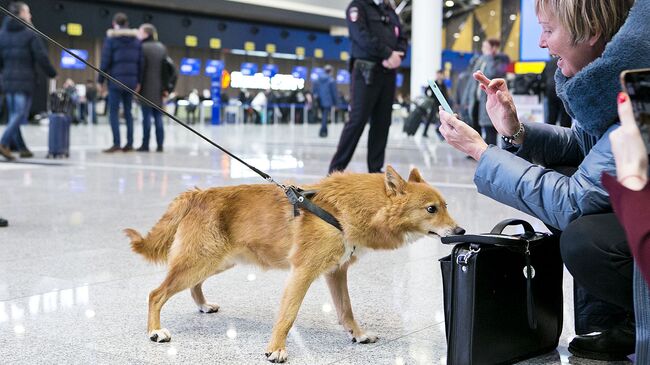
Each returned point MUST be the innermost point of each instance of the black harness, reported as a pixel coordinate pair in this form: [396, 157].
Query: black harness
[301, 199]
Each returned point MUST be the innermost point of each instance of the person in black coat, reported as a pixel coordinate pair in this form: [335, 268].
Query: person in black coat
[553, 106]
[378, 46]
[20, 51]
[122, 58]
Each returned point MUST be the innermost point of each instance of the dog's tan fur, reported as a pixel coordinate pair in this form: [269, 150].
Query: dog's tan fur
[205, 232]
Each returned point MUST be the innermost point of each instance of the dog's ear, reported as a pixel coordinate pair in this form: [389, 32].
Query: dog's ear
[394, 183]
[415, 176]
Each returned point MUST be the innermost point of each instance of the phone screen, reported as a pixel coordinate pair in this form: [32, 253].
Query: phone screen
[637, 84]
[440, 97]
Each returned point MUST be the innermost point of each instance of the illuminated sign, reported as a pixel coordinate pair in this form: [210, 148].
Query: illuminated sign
[191, 41]
[215, 43]
[343, 77]
[213, 66]
[299, 72]
[69, 62]
[270, 70]
[316, 72]
[399, 80]
[345, 56]
[74, 29]
[249, 46]
[248, 68]
[300, 51]
[190, 66]
[259, 81]
[318, 53]
[270, 48]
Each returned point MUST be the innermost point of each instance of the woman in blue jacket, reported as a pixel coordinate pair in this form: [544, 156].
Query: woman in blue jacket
[592, 52]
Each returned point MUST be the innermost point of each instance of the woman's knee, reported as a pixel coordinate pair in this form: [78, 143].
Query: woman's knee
[575, 241]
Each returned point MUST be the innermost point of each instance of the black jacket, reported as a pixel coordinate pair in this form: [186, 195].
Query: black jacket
[375, 31]
[20, 51]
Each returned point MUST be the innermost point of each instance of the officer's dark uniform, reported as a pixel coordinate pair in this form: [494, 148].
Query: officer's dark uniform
[375, 32]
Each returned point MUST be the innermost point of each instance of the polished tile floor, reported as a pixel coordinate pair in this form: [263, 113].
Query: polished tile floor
[72, 292]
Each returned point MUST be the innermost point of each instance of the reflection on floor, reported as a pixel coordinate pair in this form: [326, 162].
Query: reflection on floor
[71, 291]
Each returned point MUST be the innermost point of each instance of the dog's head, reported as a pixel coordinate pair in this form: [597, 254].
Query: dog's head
[417, 206]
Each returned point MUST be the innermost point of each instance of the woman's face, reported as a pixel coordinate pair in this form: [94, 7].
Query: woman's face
[572, 57]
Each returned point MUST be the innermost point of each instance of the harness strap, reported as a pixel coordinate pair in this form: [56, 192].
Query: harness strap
[298, 198]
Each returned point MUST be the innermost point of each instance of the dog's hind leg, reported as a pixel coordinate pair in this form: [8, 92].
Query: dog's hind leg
[337, 281]
[184, 273]
[199, 298]
[294, 293]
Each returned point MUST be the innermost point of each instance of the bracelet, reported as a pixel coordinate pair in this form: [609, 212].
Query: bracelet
[630, 176]
[513, 138]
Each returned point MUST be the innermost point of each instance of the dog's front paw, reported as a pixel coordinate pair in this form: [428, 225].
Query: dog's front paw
[277, 356]
[365, 338]
[161, 335]
[208, 308]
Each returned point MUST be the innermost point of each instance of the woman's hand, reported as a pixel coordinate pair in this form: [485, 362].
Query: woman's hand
[461, 136]
[500, 106]
[629, 149]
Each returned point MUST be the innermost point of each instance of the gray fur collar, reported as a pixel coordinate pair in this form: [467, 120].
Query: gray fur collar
[590, 96]
[114, 33]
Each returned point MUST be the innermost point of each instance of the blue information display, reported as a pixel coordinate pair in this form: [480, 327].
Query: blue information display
[530, 33]
[399, 80]
[248, 68]
[69, 62]
[299, 72]
[190, 66]
[316, 72]
[343, 77]
[213, 66]
[270, 70]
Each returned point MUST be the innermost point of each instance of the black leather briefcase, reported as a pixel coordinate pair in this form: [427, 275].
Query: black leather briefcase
[502, 296]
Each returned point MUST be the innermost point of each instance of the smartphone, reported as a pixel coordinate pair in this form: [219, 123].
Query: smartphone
[637, 85]
[440, 97]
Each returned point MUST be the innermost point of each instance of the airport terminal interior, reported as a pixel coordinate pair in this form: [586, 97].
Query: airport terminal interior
[73, 292]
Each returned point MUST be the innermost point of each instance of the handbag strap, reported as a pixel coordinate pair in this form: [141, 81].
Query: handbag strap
[530, 300]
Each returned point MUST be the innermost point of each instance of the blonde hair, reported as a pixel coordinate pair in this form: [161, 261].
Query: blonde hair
[584, 19]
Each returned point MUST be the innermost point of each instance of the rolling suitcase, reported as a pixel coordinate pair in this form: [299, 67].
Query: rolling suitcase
[59, 136]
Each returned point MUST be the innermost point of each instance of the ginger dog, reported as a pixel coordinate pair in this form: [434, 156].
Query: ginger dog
[205, 232]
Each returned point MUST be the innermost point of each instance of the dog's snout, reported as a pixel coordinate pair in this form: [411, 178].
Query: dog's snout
[459, 231]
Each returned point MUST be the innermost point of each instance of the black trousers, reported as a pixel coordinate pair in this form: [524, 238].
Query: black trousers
[595, 251]
[374, 102]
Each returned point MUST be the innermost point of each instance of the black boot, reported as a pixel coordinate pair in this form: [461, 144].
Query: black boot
[613, 344]
[3, 222]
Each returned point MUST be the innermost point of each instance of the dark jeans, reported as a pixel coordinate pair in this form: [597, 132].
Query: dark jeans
[325, 117]
[595, 251]
[18, 105]
[115, 97]
[147, 113]
[490, 135]
[554, 110]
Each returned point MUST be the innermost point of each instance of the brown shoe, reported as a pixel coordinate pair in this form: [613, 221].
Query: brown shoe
[112, 149]
[26, 154]
[127, 148]
[6, 153]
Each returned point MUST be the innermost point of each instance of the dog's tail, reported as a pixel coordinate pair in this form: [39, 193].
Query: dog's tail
[155, 246]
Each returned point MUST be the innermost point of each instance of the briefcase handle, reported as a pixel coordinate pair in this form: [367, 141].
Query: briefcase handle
[528, 228]
[496, 236]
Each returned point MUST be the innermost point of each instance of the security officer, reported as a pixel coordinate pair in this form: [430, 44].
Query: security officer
[378, 47]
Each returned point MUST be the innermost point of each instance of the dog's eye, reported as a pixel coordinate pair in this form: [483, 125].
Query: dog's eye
[432, 209]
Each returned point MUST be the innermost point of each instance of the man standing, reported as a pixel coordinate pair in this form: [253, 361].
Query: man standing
[325, 91]
[122, 59]
[20, 51]
[152, 85]
[378, 47]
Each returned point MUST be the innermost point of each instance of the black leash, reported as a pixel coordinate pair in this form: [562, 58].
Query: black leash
[293, 193]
